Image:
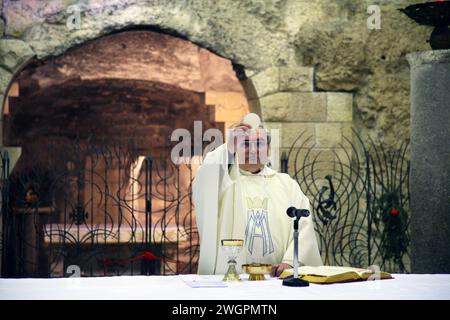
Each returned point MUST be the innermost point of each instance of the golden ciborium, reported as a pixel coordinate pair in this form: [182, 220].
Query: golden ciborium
[257, 270]
[232, 248]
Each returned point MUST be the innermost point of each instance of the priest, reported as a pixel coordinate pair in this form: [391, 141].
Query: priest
[238, 196]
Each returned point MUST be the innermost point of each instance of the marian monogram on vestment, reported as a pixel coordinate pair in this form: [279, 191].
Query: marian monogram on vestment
[258, 226]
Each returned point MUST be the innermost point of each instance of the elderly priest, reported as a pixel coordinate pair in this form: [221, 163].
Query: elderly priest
[238, 196]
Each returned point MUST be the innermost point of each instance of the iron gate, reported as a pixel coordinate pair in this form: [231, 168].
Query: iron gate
[359, 193]
[99, 208]
[103, 208]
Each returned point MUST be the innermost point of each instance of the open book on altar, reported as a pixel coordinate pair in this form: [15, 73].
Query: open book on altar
[332, 274]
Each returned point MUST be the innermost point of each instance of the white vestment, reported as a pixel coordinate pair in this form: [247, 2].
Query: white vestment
[240, 205]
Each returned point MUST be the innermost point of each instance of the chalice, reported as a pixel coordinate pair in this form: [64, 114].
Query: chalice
[232, 248]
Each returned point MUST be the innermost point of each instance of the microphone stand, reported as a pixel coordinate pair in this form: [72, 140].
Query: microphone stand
[295, 281]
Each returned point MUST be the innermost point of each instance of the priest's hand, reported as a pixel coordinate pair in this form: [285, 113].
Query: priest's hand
[277, 269]
[236, 129]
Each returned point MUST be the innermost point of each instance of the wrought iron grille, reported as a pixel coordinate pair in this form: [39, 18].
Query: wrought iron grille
[360, 197]
[100, 207]
[108, 208]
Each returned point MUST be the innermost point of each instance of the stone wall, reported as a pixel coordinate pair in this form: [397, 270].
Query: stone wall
[292, 40]
[289, 103]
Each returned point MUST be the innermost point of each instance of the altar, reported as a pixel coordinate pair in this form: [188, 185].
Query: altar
[402, 287]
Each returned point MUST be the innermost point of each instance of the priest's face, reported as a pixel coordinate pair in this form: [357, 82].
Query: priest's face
[252, 149]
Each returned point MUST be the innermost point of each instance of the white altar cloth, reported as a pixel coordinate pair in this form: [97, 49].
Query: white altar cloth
[404, 286]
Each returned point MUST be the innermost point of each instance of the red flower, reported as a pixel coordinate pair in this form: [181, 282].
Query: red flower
[394, 212]
[150, 256]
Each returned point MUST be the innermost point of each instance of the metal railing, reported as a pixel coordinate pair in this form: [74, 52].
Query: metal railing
[111, 209]
[359, 193]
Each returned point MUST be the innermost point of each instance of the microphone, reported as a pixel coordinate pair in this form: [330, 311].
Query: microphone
[297, 213]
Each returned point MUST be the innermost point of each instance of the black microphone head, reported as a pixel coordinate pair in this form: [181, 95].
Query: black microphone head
[304, 213]
[291, 212]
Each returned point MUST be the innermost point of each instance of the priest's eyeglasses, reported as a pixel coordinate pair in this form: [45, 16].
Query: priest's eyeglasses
[260, 143]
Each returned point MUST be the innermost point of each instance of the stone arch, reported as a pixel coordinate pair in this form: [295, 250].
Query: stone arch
[18, 54]
[218, 81]
[44, 30]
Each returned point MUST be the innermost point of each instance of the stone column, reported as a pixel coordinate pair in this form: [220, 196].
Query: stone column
[430, 161]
